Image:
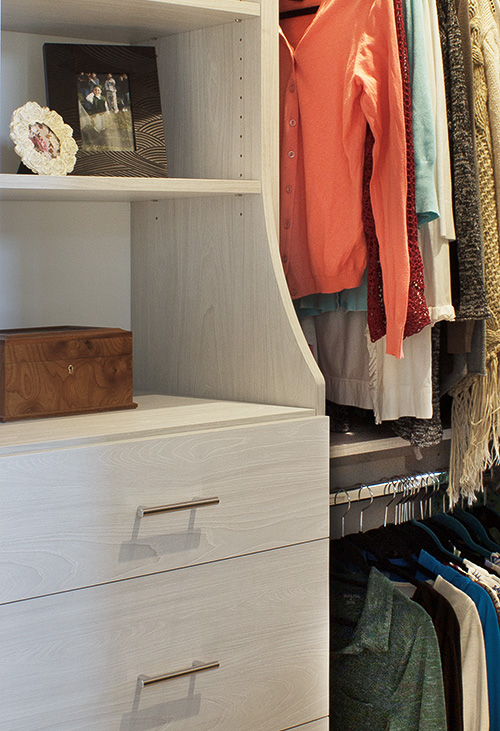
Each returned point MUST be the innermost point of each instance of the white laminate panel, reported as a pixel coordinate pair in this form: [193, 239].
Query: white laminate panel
[156, 415]
[121, 21]
[72, 661]
[69, 517]
[81, 188]
[233, 336]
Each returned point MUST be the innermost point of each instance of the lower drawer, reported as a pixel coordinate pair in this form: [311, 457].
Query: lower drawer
[72, 661]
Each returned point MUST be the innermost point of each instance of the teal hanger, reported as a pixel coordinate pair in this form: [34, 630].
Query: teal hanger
[452, 557]
[476, 528]
[457, 527]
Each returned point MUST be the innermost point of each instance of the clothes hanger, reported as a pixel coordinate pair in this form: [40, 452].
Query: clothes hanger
[363, 510]
[342, 530]
[476, 528]
[454, 542]
[434, 545]
[386, 547]
[436, 548]
[296, 12]
[461, 531]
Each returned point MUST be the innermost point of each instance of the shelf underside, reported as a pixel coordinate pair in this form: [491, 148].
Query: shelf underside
[81, 188]
[121, 21]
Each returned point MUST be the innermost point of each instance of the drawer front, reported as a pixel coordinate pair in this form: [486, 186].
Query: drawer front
[72, 661]
[70, 517]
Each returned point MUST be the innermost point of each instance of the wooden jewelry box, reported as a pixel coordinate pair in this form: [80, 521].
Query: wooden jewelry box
[56, 371]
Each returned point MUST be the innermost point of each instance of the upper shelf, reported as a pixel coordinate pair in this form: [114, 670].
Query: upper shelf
[83, 188]
[121, 21]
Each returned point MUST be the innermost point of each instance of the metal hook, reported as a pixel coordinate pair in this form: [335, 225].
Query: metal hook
[386, 511]
[342, 531]
[363, 510]
[437, 484]
[422, 485]
[398, 512]
[427, 497]
[406, 500]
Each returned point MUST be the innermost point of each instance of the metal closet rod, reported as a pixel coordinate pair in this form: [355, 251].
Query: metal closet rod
[390, 487]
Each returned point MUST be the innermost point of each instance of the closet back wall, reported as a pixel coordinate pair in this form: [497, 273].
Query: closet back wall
[42, 280]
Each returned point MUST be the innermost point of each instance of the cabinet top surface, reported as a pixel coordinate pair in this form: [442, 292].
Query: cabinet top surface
[156, 415]
[121, 21]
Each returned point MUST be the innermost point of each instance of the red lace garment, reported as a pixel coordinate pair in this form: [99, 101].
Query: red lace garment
[417, 316]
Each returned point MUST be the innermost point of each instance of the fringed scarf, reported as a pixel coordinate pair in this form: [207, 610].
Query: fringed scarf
[476, 399]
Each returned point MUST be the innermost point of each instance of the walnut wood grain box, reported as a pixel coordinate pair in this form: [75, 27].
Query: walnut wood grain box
[64, 370]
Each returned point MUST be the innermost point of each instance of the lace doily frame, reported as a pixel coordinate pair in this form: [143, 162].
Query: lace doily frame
[42, 139]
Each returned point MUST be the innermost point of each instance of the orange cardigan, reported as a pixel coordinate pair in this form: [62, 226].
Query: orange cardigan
[337, 74]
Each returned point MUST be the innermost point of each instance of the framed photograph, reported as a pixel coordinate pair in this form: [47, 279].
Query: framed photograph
[42, 139]
[110, 96]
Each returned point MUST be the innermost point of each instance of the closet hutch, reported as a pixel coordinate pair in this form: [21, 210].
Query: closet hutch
[167, 566]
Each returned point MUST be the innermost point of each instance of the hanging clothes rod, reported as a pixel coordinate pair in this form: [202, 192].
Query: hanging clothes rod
[389, 487]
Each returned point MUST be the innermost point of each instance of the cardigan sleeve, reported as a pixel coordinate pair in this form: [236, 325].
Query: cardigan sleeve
[377, 76]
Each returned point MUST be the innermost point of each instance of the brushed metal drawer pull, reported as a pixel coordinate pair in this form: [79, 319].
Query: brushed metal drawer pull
[145, 680]
[142, 511]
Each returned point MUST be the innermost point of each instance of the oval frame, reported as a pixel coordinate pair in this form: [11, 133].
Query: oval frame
[32, 113]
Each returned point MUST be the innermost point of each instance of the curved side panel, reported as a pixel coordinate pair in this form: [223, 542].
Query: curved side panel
[232, 331]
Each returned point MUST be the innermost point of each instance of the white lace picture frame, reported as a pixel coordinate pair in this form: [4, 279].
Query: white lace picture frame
[42, 139]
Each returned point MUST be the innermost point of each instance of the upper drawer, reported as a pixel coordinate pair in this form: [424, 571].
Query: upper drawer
[70, 517]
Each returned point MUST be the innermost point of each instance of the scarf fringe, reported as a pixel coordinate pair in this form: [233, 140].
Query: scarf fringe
[475, 431]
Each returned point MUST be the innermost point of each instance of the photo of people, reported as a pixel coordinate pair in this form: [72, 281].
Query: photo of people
[105, 112]
[44, 140]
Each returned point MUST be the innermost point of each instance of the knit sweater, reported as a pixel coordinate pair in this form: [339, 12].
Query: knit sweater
[469, 297]
[417, 316]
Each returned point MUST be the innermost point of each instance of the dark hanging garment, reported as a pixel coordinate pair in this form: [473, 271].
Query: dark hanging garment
[447, 629]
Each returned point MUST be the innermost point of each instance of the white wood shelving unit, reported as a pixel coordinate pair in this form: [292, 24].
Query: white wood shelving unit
[94, 595]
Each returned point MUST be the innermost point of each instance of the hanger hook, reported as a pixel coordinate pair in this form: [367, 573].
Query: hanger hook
[363, 510]
[388, 486]
[404, 484]
[342, 532]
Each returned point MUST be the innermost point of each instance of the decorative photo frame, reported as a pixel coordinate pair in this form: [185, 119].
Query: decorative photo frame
[42, 139]
[111, 98]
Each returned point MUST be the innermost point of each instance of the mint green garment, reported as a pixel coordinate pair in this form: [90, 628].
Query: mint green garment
[424, 135]
[348, 300]
[386, 668]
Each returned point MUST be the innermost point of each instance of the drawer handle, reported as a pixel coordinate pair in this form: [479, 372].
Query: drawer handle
[142, 511]
[145, 680]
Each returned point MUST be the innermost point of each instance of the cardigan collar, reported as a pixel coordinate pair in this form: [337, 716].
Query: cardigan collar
[374, 626]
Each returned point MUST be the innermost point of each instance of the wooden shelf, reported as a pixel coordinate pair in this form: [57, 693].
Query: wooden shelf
[121, 21]
[369, 442]
[83, 188]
